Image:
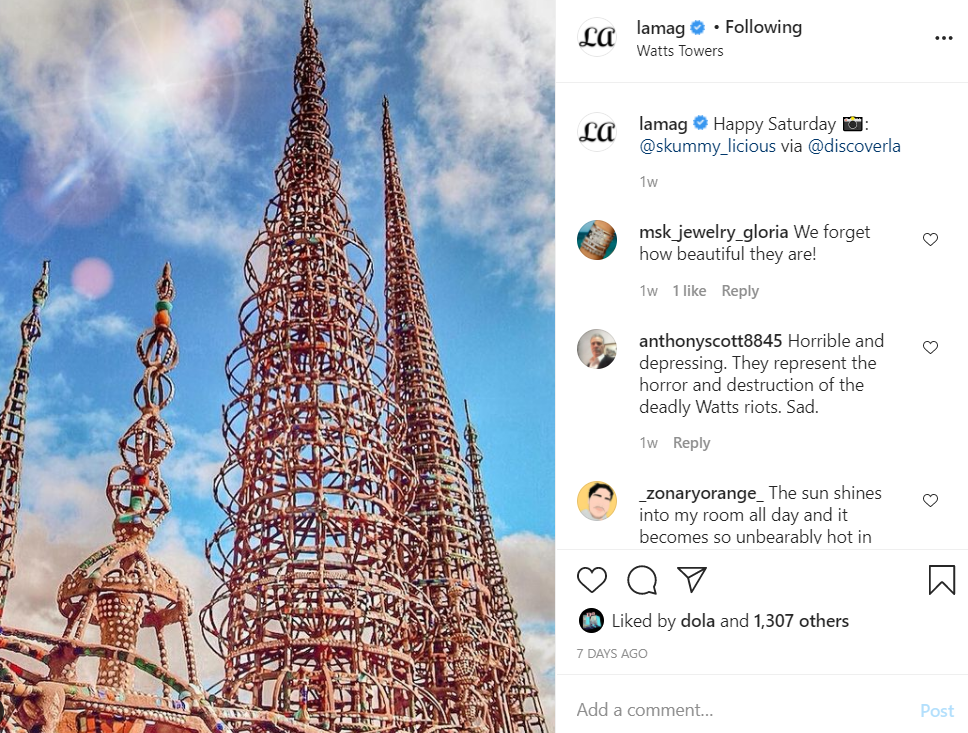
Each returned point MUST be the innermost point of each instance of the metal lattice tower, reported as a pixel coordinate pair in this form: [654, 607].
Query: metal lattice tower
[315, 617]
[13, 421]
[120, 588]
[463, 662]
[521, 692]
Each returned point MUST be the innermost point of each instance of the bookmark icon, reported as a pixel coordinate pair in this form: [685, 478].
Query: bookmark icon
[941, 576]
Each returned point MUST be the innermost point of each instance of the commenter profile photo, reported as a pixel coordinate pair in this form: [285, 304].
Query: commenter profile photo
[597, 239]
[597, 501]
[597, 349]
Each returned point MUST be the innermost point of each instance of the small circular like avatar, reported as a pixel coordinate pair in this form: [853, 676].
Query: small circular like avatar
[591, 620]
[597, 501]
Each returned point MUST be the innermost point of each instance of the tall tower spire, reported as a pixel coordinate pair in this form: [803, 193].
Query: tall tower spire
[459, 663]
[120, 588]
[12, 423]
[520, 690]
[315, 618]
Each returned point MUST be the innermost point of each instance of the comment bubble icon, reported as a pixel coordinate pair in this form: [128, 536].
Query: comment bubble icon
[642, 580]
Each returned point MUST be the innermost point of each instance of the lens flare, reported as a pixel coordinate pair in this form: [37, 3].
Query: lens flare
[75, 191]
[162, 79]
[222, 28]
[92, 278]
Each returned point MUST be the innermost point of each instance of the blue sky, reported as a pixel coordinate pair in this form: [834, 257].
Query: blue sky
[135, 133]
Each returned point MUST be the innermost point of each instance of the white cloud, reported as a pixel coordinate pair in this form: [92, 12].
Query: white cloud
[64, 518]
[546, 272]
[116, 94]
[540, 652]
[145, 115]
[355, 40]
[529, 562]
[84, 319]
[363, 81]
[68, 314]
[9, 325]
[44, 557]
[173, 547]
[51, 544]
[375, 19]
[486, 96]
[106, 326]
[195, 461]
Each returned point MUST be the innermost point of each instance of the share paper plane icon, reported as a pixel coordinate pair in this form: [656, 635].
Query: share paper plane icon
[693, 576]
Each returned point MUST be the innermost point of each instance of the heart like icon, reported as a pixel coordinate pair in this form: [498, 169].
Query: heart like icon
[591, 579]
[930, 346]
[930, 239]
[930, 499]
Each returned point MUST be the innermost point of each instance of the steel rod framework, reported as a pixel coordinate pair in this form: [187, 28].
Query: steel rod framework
[520, 692]
[315, 617]
[121, 588]
[361, 587]
[465, 659]
[13, 423]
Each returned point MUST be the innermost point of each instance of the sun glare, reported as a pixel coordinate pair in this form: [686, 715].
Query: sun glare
[159, 78]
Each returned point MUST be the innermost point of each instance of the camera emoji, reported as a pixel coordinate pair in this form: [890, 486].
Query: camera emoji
[853, 124]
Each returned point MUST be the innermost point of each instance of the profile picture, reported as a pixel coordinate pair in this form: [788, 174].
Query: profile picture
[591, 620]
[597, 239]
[596, 349]
[597, 501]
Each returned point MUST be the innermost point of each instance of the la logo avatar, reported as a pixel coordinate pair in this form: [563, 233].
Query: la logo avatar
[601, 133]
[596, 131]
[596, 37]
[602, 37]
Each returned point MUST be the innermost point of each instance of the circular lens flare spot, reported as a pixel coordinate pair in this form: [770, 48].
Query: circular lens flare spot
[92, 278]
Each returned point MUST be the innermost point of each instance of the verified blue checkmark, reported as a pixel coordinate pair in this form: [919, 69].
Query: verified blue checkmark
[700, 122]
[697, 27]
